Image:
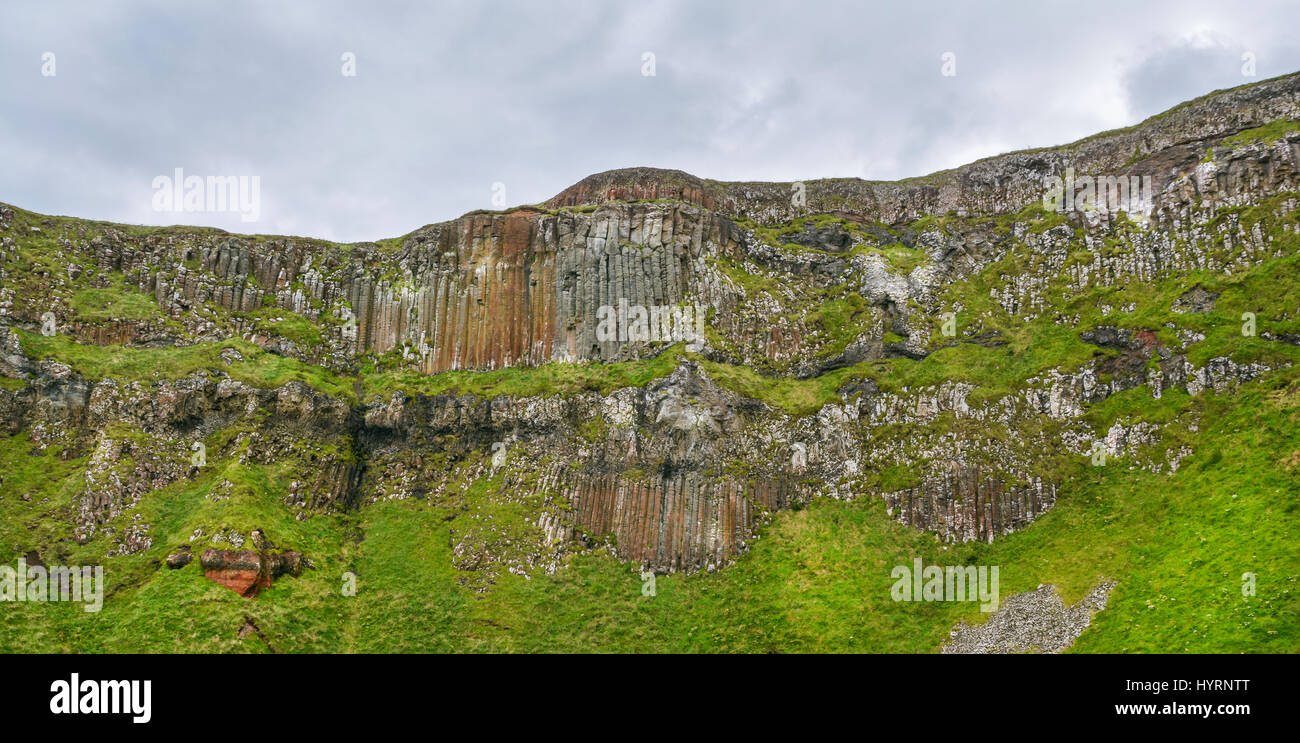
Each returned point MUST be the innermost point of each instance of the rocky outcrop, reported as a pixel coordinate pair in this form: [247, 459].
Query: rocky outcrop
[524, 287]
[678, 472]
[180, 558]
[994, 185]
[241, 572]
[1197, 299]
[481, 292]
[675, 523]
[247, 572]
[1135, 348]
[966, 504]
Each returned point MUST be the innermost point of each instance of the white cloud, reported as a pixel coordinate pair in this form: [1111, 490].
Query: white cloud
[451, 97]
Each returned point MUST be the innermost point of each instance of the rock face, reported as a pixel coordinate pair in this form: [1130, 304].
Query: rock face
[180, 558]
[842, 354]
[967, 504]
[247, 572]
[1197, 299]
[524, 287]
[480, 292]
[682, 523]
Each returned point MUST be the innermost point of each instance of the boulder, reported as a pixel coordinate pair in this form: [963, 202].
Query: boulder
[180, 558]
[247, 572]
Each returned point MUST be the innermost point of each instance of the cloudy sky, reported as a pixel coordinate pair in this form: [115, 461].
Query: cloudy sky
[449, 99]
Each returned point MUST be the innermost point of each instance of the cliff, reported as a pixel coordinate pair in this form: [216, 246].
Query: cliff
[535, 381]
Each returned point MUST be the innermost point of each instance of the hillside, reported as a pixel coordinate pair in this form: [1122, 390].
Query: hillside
[474, 426]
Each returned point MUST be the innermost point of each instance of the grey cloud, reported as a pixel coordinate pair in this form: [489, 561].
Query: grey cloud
[452, 97]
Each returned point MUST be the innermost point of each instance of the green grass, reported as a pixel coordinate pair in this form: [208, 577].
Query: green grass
[99, 305]
[796, 397]
[1270, 132]
[258, 368]
[545, 380]
[295, 327]
[818, 579]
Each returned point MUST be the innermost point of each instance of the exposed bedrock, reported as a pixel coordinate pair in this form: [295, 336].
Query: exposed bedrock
[526, 287]
[679, 472]
[968, 504]
[248, 572]
[675, 475]
[993, 185]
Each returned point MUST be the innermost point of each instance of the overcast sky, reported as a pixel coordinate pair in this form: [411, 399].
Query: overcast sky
[449, 99]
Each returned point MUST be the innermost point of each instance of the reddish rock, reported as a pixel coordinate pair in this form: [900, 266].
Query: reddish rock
[240, 571]
[247, 572]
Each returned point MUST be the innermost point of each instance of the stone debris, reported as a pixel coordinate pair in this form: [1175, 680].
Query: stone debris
[1036, 621]
[1197, 299]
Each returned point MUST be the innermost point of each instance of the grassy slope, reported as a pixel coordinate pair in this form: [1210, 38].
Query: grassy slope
[258, 368]
[817, 579]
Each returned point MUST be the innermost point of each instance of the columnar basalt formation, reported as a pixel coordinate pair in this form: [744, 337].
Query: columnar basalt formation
[942, 344]
[964, 505]
[682, 523]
